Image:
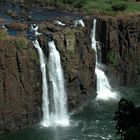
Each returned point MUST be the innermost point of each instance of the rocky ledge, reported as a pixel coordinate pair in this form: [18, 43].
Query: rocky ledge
[20, 88]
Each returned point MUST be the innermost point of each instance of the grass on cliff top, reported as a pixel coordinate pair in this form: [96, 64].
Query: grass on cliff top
[111, 6]
[20, 42]
[105, 6]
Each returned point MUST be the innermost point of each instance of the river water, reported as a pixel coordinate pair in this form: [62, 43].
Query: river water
[92, 121]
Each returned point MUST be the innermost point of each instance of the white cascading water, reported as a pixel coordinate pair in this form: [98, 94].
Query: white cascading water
[59, 114]
[45, 98]
[79, 22]
[104, 90]
[59, 23]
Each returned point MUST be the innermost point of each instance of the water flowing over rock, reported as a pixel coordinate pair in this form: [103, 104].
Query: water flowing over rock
[59, 113]
[56, 113]
[121, 48]
[45, 98]
[79, 23]
[104, 90]
[77, 59]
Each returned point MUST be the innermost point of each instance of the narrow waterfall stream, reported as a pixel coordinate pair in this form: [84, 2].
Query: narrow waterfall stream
[54, 104]
[59, 113]
[104, 90]
[45, 98]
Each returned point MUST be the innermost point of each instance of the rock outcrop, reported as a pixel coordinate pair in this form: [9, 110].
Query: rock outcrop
[20, 84]
[120, 37]
[127, 119]
[20, 87]
[78, 61]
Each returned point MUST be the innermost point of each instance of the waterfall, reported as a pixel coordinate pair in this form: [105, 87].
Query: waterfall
[59, 114]
[79, 22]
[45, 99]
[104, 90]
[59, 23]
[54, 105]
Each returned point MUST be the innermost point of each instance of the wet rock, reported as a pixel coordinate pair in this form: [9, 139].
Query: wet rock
[128, 120]
[78, 61]
[20, 85]
[121, 47]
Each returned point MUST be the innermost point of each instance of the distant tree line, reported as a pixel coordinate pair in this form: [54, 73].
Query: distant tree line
[88, 5]
[75, 3]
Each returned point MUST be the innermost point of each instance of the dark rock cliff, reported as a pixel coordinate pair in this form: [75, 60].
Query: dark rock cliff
[78, 61]
[77, 58]
[20, 87]
[120, 37]
[20, 76]
[20, 92]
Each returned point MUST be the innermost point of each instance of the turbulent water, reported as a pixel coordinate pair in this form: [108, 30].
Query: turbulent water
[104, 90]
[45, 98]
[59, 114]
[94, 121]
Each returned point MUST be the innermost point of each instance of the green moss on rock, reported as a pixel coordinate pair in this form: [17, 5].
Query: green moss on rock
[3, 34]
[21, 43]
[112, 58]
[70, 39]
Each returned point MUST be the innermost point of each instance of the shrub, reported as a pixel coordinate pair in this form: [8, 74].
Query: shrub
[3, 34]
[121, 6]
[79, 3]
[21, 43]
[112, 58]
[68, 1]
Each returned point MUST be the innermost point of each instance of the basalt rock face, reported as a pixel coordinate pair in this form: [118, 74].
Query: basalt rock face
[20, 75]
[78, 61]
[120, 38]
[20, 82]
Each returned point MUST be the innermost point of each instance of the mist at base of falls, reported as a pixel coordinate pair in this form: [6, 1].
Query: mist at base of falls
[93, 121]
[103, 89]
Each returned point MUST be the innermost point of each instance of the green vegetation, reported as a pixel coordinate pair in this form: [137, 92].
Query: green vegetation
[70, 39]
[120, 6]
[3, 34]
[35, 55]
[21, 43]
[106, 6]
[112, 58]
[111, 6]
